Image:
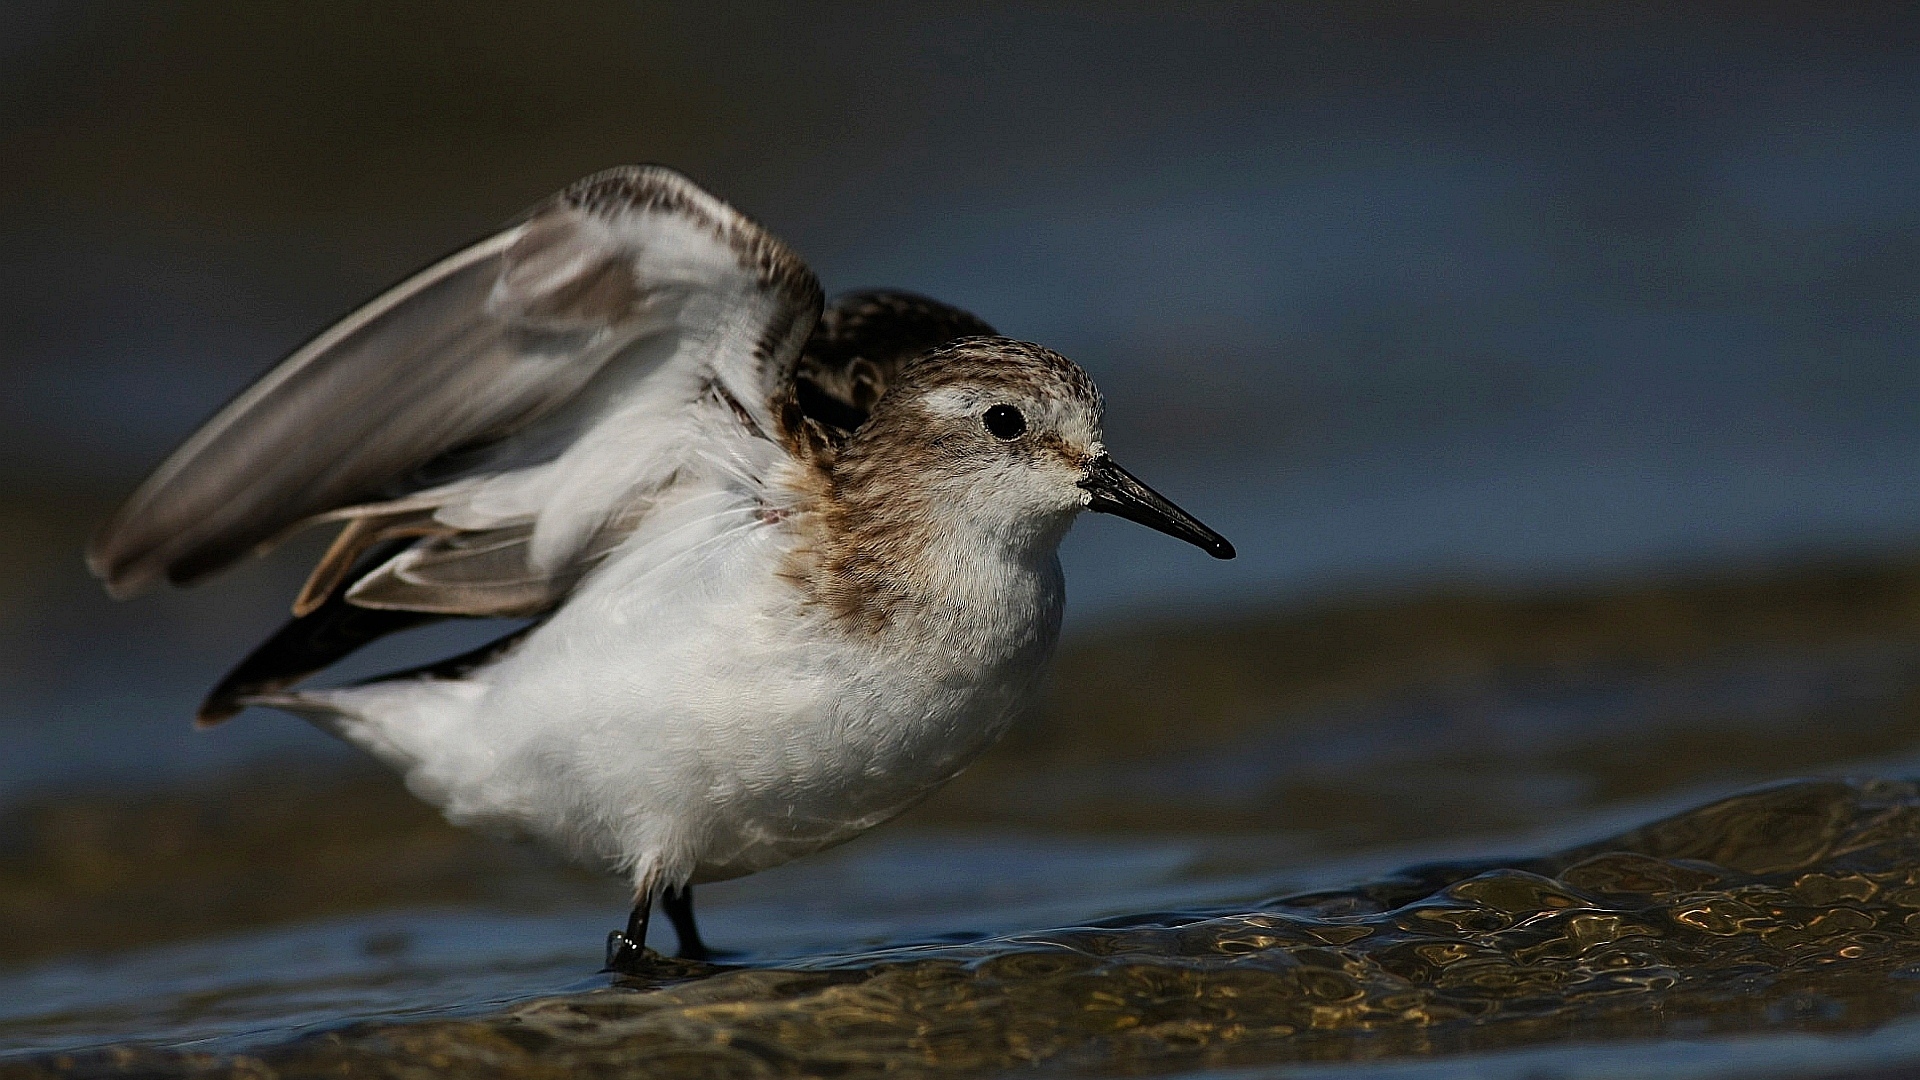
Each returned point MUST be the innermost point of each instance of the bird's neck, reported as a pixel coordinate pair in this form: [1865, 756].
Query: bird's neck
[909, 562]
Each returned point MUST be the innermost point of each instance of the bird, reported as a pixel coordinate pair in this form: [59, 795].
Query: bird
[783, 567]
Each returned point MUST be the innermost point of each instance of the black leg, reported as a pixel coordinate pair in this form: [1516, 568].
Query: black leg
[678, 904]
[624, 949]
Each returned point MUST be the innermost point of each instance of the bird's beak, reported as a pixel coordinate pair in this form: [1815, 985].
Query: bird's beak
[1113, 490]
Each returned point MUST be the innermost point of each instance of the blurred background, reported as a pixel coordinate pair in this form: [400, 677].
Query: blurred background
[1555, 370]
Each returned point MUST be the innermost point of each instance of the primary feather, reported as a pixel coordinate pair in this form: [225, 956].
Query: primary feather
[495, 362]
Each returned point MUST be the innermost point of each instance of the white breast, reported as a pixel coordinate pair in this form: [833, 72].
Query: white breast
[688, 717]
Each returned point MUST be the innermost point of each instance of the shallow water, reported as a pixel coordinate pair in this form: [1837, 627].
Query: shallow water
[1112, 890]
[1792, 908]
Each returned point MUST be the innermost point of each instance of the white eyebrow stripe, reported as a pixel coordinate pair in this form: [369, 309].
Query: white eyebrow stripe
[953, 400]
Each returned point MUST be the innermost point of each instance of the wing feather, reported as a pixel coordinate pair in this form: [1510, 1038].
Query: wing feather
[621, 275]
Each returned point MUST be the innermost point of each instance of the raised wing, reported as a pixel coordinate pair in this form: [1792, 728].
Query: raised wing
[502, 352]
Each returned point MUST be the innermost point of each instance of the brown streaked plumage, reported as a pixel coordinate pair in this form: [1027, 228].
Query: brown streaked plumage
[340, 422]
[470, 351]
[859, 344]
[785, 571]
[874, 506]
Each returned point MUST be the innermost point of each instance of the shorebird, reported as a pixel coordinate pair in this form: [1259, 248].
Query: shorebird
[787, 567]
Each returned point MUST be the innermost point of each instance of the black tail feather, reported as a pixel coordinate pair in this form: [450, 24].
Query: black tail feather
[454, 667]
[311, 642]
[301, 647]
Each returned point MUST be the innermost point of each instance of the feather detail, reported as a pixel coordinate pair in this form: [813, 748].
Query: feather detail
[531, 336]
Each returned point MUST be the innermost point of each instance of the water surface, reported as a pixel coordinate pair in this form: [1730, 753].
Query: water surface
[1455, 827]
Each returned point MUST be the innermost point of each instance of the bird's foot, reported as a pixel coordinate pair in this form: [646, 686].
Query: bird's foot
[625, 956]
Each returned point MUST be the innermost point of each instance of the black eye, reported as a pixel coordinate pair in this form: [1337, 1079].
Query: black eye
[1005, 422]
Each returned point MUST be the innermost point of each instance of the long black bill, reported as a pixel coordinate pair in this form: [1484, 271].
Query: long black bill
[1118, 492]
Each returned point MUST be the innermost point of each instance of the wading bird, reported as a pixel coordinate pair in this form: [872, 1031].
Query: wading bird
[786, 568]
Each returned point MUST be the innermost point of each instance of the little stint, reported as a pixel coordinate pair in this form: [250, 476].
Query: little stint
[787, 568]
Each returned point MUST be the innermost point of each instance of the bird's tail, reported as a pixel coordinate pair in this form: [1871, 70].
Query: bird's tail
[309, 643]
[403, 723]
[303, 646]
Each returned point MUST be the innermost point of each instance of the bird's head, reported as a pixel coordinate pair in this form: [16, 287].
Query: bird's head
[1004, 437]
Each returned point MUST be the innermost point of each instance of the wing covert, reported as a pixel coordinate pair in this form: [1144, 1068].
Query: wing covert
[631, 262]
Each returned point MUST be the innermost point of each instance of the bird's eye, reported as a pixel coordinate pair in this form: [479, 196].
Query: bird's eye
[1005, 422]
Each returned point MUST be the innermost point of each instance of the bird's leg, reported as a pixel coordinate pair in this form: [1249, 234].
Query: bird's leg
[624, 948]
[678, 904]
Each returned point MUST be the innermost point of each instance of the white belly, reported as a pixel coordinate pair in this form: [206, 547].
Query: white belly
[697, 727]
